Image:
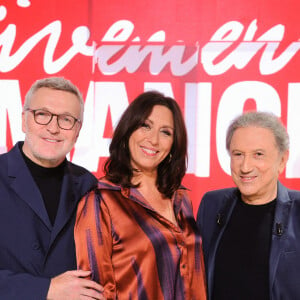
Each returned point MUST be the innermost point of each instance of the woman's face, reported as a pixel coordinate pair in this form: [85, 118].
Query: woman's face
[152, 142]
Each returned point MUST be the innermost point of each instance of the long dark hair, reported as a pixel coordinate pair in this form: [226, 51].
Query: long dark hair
[171, 170]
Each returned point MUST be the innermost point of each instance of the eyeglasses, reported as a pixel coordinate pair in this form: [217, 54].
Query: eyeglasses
[44, 117]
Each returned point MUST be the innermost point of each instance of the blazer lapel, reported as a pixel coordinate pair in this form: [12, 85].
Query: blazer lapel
[280, 224]
[222, 219]
[70, 194]
[25, 187]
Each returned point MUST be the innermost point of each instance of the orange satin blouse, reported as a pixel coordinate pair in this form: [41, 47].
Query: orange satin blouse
[133, 251]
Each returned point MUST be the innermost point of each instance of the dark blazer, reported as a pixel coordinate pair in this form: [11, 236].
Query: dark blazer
[284, 271]
[32, 250]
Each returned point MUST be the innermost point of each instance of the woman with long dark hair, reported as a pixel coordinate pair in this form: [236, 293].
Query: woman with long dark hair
[136, 231]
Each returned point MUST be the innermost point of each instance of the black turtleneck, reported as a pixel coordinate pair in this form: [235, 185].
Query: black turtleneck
[242, 258]
[49, 182]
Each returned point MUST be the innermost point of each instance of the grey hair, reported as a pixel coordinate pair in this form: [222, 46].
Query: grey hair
[262, 120]
[55, 83]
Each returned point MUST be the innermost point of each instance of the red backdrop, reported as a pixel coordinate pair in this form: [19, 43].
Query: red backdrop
[217, 58]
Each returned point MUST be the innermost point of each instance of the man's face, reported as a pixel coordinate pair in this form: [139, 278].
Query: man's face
[256, 164]
[47, 145]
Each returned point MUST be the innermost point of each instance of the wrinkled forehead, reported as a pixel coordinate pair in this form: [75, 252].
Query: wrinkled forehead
[56, 101]
[253, 137]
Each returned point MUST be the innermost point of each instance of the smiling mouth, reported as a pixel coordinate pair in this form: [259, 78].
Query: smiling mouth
[247, 178]
[149, 151]
[52, 141]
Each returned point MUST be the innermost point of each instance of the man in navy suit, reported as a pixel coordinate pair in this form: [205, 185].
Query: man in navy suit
[251, 233]
[39, 190]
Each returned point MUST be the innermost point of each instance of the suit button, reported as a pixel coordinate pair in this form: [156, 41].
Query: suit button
[36, 246]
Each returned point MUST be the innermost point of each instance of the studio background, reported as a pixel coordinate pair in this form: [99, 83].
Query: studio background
[217, 58]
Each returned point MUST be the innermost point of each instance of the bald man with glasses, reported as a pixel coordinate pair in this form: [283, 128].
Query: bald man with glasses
[39, 191]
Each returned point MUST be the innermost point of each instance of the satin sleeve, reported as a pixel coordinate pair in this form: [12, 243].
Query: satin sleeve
[93, 241]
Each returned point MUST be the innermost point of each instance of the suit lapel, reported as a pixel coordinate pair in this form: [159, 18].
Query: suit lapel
[69, 196]
[283, 208]
[222, 219]
[24, 185]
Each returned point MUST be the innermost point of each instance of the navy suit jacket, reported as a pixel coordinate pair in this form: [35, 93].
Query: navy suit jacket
[284, 261]
[32, 251]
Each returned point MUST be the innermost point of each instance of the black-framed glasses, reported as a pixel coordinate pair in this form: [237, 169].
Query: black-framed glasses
[44, 117]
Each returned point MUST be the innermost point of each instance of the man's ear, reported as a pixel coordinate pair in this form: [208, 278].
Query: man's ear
[77, 135]
[284, 159]
[23, 122]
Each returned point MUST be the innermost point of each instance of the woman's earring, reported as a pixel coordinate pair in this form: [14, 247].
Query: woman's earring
[170, 157]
